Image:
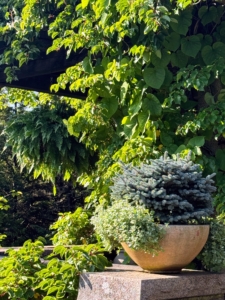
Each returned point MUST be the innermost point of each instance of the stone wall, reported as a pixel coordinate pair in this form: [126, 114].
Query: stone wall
[123, 282]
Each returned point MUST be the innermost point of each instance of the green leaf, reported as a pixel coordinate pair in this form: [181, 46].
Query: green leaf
[158, 53]
[135, 107]
[143, 118]
[130, 127]
[146, 56]
[210, 54]
[52, 290]
[172, 42]
[19, 293]
[183, 22]
[109, 105]
[148, 141]
[207, 14]
[206, 40]
[168, 78]
[209, 98]
[160, 62]
[180, 149]
[191, 45]
[179, 59]
[197, 151]
[48, 298]
[123, 91]
[87, 66]
[166, 139]
[104, 18]
[154, 77]
[198, 141]
[125, 120]
[84, 3]
[54, 191]
[152, 104]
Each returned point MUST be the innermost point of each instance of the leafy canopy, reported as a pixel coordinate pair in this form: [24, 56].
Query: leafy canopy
[154, 76]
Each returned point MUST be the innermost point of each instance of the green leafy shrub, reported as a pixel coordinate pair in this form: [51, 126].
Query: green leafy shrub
[212, 257]
[25, 275]
[174, 189]
[18, 270]
[134, 225]
[73, 228]
[60, 278]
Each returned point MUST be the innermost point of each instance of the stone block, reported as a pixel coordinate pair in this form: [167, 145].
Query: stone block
[125, 282]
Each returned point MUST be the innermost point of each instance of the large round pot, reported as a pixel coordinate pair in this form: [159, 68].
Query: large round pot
[181, 244]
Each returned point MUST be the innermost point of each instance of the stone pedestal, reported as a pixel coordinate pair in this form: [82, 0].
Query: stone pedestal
[125, 282]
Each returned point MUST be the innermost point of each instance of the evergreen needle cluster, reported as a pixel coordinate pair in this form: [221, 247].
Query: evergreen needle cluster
[174, 189]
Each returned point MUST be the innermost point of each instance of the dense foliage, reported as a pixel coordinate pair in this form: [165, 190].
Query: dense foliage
[153, 74]
[32, 205]
[25, 275]
[51, 143]
[173, 188]
[73, 228]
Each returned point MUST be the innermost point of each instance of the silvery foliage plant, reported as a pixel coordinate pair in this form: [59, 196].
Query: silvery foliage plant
[123, 222]
[174, 189]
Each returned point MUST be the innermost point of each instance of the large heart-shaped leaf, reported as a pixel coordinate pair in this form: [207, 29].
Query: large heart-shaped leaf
[172, 42]
[154, 77]
[87, 66]
[130, 126]
[135, 106]
[210, 54]
[191, 45]
[198, 141]
[166, 139]
[207, 14]
[168, 78]
[183, 22]
[160, 62]
[143, 118]
[179, 59]
[206, 40]
[209, 98]
[109, 105]
[152, 104]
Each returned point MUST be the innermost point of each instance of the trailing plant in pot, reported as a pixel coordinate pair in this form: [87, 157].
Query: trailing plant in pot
[177, 200]
[123, 222]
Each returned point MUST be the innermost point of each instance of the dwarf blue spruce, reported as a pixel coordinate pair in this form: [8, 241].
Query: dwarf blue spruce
[174, 188]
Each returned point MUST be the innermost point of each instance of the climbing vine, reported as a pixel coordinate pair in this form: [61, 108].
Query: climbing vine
[154, 76]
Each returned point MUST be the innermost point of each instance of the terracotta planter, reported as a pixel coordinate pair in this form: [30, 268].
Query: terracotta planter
[181, 244]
